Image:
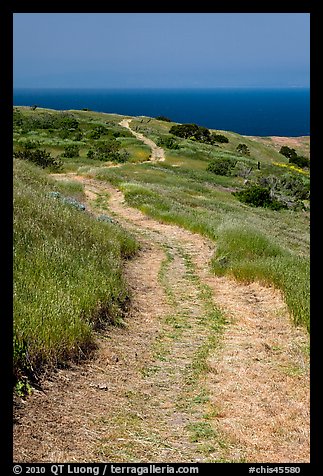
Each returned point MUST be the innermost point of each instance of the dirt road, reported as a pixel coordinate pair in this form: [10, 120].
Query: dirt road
[172, 385]
[157, 153]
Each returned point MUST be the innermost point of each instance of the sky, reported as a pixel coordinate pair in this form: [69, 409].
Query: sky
[161, 50]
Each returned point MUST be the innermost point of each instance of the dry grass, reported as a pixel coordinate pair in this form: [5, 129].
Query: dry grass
[140, 400]
[260, 378]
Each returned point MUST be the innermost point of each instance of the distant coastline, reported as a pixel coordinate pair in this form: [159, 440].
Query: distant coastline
[248, 111]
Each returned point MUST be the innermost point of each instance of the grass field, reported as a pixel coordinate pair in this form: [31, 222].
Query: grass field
[67, 273]
[68, 266]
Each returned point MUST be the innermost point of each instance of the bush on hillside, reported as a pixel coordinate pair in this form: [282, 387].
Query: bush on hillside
[108, 150]
[300, 161]
[40, 157]
[163, 118]
[191, 131]
[243, 149]
[294, 158]
[218, 138]
[198, 133]
[31, 144]
[98, 131]
[185, 131]
[222, 166]
[299, 187]
[258, 196]
[71, 151]
[63, 121]
[288, 152]
[168, 142]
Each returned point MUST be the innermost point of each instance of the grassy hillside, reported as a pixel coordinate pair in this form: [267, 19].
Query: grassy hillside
[253, 243]
[68, 273]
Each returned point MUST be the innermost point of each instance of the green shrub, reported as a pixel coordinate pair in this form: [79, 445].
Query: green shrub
[98, 131]
[163, 118]
[222, 166]
[288, 152]
[294, 158]
[90, 154]
[219, 138]
[168, 142]
[258, 196]
[296, 186]
[39, 157]
[243, 149]
[31, 144]
[71, 151]
[300, 161]
[191, 131]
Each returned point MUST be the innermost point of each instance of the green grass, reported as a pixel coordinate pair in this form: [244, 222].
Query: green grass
[249, 256]
[68, 266]
[251, 243]
[67, 273]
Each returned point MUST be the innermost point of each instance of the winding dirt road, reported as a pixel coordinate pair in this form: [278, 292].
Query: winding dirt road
[169, 387]
[157, 153]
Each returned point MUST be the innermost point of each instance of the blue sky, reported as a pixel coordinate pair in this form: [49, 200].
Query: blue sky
[134, 50]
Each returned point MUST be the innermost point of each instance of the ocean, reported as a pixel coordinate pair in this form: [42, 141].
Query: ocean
[259, 112]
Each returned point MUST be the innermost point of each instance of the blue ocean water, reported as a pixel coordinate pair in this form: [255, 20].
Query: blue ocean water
[260, 112]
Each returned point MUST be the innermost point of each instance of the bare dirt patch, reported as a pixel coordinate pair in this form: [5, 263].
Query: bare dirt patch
[300, 144]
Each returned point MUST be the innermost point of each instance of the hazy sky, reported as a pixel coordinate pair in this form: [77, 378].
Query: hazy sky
[161, 49]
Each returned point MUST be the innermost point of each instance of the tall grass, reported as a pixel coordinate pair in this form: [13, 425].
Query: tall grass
[67, 273]
[248, 255]
[251, 244]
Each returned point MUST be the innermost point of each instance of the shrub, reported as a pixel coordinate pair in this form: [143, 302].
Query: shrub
[97, 132]
[163, 118]
[222, 166]
[184, 130]
[191, 131]
[119, 157]
[243, 149]
[108, 150]
[168, 142]
[219, 138]
[258, 196]
[300, 161]
[17, 118]
[31, 144]
[71, 151]
[288, 152]
[39, 157]
[296, 186]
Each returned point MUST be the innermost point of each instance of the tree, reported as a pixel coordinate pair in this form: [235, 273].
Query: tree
[300, 161]
[243, 149]
[288, 152]
[184, 130]
[219, 138]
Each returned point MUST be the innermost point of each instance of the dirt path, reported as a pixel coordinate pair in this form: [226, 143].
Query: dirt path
[169, 387]
[157, 153]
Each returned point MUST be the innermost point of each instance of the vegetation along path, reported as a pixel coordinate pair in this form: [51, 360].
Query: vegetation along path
[205, 369]
[157, 153]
